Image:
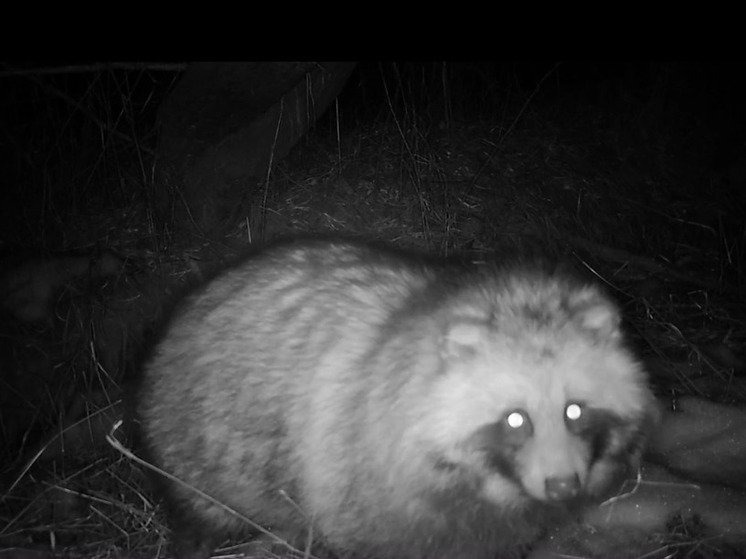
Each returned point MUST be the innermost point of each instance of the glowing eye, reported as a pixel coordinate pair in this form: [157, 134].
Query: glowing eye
[515, 419]
[573, 412]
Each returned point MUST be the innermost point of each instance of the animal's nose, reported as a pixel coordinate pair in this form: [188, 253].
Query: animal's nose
[562, 488]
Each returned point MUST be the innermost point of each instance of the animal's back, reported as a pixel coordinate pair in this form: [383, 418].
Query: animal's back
[227, 400]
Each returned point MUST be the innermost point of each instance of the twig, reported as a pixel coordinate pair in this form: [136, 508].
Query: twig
[622, 256]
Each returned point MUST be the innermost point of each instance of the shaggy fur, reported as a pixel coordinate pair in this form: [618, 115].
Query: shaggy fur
[393, 407]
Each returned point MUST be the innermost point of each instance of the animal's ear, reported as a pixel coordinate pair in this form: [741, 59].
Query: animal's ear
[462, 340]
[597, 315]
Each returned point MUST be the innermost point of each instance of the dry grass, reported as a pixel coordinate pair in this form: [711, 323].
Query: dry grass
[607, 187]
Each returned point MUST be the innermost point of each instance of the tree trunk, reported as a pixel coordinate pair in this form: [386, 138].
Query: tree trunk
[223, 125]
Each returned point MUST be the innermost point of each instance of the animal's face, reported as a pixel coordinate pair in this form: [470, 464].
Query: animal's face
[544, 410]
[565, 452]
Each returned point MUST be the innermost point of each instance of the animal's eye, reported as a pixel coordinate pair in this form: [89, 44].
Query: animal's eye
[510, 431]
[573, 412]
[515, 419]
[516, 427]
[581, 418]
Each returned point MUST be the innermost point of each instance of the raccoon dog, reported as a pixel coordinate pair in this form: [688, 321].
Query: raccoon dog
[388, 406]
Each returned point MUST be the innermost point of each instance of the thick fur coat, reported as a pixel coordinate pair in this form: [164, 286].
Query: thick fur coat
[388, 406]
